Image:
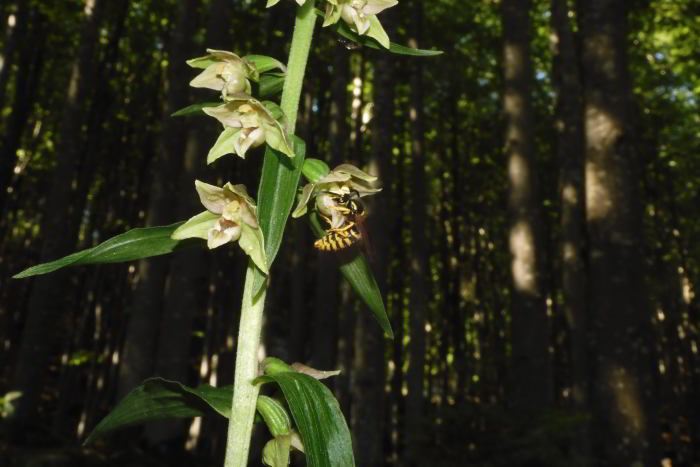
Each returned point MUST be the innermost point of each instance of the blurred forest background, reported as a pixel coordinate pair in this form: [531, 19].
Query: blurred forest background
[537, 239]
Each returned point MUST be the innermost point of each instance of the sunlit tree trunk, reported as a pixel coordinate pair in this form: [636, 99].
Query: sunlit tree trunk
[622, 354]
[48, 306]
[419, 248]
[568, 125]
[141, 341]
[530, 379]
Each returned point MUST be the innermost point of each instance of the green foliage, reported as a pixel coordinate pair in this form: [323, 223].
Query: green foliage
[134, 244]
[278, 185]
[318, 417]
[158, 398]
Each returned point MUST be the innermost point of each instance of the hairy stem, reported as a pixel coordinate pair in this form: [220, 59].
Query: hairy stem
[245, 394]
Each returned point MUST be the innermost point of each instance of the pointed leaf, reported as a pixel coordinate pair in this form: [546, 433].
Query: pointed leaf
[358, 273]
[278, 186]
[134, 244]
[194, 109]
[263, 63]
[159, 398]
[318, 417]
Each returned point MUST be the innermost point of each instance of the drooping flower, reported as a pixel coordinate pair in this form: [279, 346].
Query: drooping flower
[361, 15]
[230, 217]
[342, 180]
[224, 71]
[248, 123]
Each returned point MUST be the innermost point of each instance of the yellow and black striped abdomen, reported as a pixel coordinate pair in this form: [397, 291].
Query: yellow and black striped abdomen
[335, 240]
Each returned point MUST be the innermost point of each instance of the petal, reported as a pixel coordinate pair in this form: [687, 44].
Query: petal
[224, 55]
[332, 15]
[276, 138]
[304, 197]
[224, 144]
[227, 114]
[223, 232]
[253, 245]
[376, 31]
[212, 197]
[248, 139]
[196, 227]
[241, 192]
[375, 6]
[210, 78]
[355, 172]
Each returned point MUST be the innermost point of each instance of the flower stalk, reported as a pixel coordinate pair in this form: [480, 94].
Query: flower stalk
[244, 392]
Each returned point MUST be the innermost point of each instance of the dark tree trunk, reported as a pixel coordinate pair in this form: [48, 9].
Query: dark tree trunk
[622, 354]
[141, 342]
[48, 306]
[568, 124]
[419, 258]
[530, 378]
[30, 63]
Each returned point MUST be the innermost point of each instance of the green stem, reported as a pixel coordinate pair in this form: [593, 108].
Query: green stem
[296, 66]
[245, 394]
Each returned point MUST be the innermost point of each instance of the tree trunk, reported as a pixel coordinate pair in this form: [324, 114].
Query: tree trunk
[48, 301]
[622, 360]
[530, 378]
[568, 125]
[140, 346]
[419, 260]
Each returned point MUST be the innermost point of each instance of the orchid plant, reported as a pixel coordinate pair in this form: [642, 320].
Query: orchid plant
[309, 418]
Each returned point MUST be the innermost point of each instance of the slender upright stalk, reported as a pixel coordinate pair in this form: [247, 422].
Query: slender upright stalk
[245, 394]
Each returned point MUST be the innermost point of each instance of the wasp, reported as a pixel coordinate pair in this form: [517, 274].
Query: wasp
[352, 230]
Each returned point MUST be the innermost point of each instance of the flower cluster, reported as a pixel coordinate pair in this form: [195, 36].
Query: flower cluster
[360, 15]
[324, 186]
[230, 214]
[248, 123]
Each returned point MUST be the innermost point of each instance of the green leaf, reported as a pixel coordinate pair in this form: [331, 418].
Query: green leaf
[271, 84]
[131, 245]
[159, 398]
[264, 63]
[358, 273]
[278, 186]
[318, 416]
[194, 109]
[344, 30]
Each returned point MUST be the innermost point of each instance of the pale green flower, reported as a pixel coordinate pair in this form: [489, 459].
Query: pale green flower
[230, 217]
[361, 15]
[224, 71]
[248, 123]
[342, 180]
